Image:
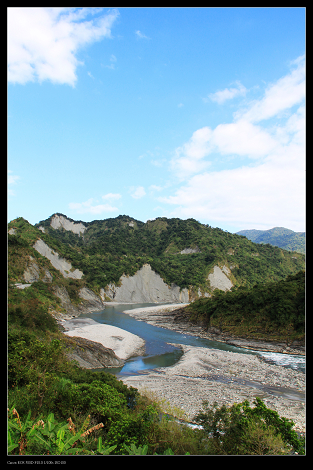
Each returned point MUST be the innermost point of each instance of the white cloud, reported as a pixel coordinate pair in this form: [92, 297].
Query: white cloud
[12, 179]
[154, 188]
[43, 42]
[158, 162]
[270, 189]
[140, 35]
[271, 193]
[113, 59]
[91, 208]
[112, 196]
[279, 96]
[242, 138]
[188, 157]
[229, 93]
[138, 192]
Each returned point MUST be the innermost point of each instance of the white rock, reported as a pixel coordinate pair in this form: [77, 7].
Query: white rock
[58, 221]
[145, 286]
[219, 280]
[57, 262]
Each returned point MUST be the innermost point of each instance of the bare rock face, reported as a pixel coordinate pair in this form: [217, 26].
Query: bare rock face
[145, 286]
[57, 262]
[188, 251]
[31, 273]
[90, 301]
[59, 221]
[47, 276]
[219, 280]
[92, 355]
[91, 298]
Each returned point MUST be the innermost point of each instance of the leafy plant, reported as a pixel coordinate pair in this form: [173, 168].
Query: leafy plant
[58, 439]
[20, 433]
[54, 438]
[133, 450]
[104, 450]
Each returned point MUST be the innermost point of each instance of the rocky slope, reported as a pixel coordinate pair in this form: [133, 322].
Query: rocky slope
[145, 286]
[91, 354]
[57, 262]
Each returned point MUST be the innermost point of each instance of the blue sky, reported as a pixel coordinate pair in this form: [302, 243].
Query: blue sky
[158, 112]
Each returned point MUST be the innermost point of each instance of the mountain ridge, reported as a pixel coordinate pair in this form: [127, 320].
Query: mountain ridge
[185, 254]
[277, 236]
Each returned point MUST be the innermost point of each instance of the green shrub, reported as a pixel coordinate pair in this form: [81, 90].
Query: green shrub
[131, 430]
[96, 398]
[240, 429]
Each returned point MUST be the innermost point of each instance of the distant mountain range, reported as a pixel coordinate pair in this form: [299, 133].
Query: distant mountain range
[277, 236]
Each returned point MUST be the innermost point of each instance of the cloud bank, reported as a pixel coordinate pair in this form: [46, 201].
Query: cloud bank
[268, 135]
[43, 42]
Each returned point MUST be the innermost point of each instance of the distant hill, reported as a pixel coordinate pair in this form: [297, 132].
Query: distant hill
[277, 236]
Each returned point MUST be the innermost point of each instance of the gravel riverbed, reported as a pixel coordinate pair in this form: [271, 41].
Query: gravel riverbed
[213, 375]
[225, 377]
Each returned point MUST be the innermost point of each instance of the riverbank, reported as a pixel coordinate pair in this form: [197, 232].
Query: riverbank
[123, 343]
[172, 316]
[225, 377]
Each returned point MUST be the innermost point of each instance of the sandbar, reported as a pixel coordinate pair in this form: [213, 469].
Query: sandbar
[137, 312]
[123, 343]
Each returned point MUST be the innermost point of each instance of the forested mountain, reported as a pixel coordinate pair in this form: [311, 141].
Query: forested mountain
[277, 236]
[183, 252]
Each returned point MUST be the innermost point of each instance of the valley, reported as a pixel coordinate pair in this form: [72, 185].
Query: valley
[219, 288]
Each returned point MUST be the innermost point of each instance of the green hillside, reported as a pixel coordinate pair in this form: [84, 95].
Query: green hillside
[277, 236]
[111, 247]
[271, 311]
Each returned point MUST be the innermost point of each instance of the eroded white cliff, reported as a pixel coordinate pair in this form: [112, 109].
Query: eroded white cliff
[57, 262]
[59, 221]
[219, 280]
[145, 286]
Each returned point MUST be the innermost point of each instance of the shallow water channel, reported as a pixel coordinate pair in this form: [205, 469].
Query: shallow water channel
[159, 353]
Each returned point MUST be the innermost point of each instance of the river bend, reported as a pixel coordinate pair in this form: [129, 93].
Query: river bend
[162, 344]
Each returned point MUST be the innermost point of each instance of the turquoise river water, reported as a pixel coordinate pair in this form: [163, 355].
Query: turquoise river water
[159, 353]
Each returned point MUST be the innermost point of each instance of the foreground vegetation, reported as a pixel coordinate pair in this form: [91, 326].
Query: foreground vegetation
[57, 408]
[271, 311]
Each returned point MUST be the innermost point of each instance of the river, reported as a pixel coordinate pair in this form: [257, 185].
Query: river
[159, 351]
